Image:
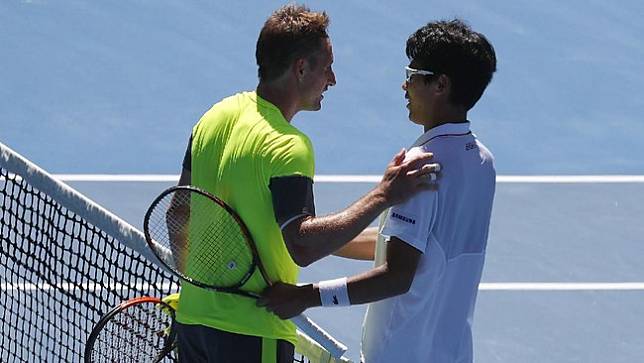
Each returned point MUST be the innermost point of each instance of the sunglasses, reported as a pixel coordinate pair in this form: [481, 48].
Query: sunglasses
[411, 71]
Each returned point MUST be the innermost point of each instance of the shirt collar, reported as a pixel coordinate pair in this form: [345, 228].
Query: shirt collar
[266, 104]
[449, 129]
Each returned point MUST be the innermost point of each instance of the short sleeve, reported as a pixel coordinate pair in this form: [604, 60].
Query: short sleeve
[292, 198]
[413, 220]
[291, 180]
[293, 157]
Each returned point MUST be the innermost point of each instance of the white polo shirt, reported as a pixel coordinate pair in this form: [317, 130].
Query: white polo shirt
[432, 322]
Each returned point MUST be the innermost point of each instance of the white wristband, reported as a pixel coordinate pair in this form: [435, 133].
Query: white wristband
[334, 292]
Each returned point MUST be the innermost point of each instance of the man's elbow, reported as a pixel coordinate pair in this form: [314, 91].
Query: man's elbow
[301, 255]
[301, 262]
[406, 285]
[403, 286]
[400, 281]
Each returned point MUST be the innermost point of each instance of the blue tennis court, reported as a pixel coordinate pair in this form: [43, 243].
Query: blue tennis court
[114, 88]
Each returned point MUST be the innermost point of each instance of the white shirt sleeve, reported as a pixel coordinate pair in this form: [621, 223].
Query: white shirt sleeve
[412, 221]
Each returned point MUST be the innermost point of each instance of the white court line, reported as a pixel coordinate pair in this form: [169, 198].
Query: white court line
[118, 177]
[561, 286]
[550, 179]
[565, 179]
[485, 286]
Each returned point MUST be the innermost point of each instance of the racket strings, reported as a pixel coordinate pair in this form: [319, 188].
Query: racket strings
[136, 333]
[222, 252]
[204, 240]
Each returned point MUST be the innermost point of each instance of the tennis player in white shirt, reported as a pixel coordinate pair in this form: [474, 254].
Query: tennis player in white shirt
[429, 251]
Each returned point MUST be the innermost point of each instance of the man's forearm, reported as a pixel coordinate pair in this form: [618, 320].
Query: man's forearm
[362, 247]
[376, 284]
[317, 237]
[373, 285]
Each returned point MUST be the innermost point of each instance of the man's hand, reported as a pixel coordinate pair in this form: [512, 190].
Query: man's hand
[407, 174]
[287, 301]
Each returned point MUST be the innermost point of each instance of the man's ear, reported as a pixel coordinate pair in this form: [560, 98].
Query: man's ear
[299, 67]
[443, 84]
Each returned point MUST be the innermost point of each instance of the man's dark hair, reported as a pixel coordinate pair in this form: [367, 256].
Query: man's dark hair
[291, 32]
[454, 49]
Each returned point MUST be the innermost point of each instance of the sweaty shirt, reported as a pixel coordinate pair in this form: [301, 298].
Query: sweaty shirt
[243, 150]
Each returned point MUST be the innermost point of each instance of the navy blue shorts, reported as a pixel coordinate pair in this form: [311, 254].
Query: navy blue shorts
[198, 343]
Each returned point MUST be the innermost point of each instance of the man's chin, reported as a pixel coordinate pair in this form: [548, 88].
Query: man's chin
[316, 107]
[414, 119]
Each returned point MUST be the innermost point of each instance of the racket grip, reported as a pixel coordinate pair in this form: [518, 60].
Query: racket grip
[308, 327]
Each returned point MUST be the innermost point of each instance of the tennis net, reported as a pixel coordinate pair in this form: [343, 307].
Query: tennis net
[64, 262]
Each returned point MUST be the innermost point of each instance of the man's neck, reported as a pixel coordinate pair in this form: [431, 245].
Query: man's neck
[448, 116]
[431, 125]
[281, 95]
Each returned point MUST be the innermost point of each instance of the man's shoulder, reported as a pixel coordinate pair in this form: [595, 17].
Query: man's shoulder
[291, 148]
[289, 138]
[226, 107]
[484, 150]
[456, 147]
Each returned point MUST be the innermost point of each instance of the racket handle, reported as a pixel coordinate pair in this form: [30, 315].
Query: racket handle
[308, 327]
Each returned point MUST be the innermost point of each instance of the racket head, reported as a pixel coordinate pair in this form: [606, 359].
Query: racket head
[137, 330]
[200, 238]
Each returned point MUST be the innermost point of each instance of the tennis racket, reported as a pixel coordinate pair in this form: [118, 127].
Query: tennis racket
[203, 241]
[138, 330]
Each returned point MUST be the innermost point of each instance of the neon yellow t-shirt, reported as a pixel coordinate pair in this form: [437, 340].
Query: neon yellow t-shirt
[237, 147]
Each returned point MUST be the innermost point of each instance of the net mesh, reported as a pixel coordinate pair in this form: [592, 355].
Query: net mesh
[60, 274]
